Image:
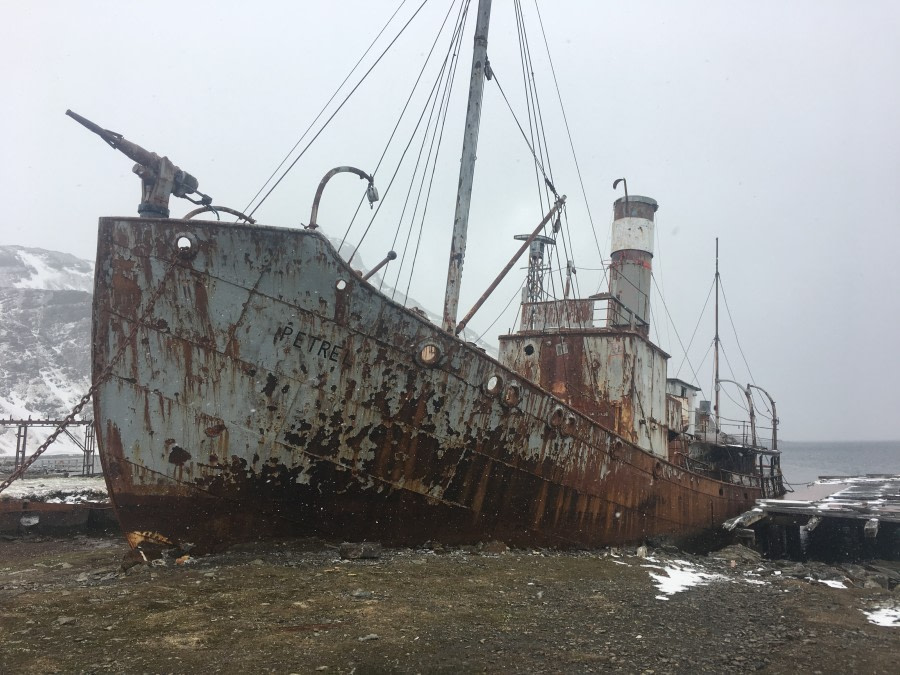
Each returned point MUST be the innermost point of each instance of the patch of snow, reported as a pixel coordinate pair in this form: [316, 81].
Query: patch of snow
[680, 577]
[850, 480]
[60, 386]
[43, 276]
[753, 578]
[63, 488]
[887, 615]
[832, 583]
[14, 407]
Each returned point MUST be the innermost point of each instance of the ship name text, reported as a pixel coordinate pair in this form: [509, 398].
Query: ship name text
[308, 343]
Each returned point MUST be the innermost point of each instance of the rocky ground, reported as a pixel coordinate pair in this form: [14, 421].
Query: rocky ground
[67, 605]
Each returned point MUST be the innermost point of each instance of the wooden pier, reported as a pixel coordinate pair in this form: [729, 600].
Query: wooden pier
[860, 520]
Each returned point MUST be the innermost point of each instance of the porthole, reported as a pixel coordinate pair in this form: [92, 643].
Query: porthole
[721, 492]
[615, 451]
[494, 385]
[512, 395]
[341, 285]
[185, 245]
[529, 350]
[557, 417]
[429, 354]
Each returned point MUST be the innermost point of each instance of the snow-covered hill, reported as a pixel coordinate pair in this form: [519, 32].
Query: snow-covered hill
[36, 268]
[45, 337]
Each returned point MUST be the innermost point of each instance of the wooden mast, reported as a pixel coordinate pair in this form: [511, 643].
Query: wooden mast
[467, 166]
[716, 341]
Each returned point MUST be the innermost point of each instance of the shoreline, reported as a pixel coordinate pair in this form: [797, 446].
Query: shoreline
[296, 606]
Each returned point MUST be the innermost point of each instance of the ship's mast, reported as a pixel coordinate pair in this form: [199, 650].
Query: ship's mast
[467, 166]
[716, 342]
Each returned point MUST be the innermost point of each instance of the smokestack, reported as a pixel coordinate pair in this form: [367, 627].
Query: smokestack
[632, 257]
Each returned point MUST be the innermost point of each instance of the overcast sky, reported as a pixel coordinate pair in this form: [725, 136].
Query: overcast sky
[771, 125]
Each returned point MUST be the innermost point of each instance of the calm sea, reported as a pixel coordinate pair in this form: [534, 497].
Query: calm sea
[804, 461]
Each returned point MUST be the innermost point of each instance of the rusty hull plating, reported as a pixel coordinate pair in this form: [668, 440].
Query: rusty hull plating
[271, 391]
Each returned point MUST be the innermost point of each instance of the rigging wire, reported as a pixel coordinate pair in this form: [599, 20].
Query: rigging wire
[758, 410]
[666, 307]
[544, 146]
[537, 130]
[535, 102]
[399, 163]
[521, 130]
[538, 163]
[401, 115]
[412, 183]
[324, 107]
[765, 403]
[571, 142]
[737, 339]
[658, 254]
[328, 121]
[517, 292]
[527, 87]
[653, 322]
[432, 102]
[699, 319]
[743, 406]
[448, 88]
[703, 361]
[727, 362]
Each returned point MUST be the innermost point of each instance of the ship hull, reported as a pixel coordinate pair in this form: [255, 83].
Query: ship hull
[267, 390]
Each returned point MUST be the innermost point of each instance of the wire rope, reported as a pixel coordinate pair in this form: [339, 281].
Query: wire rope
[666, 307]
[440, 138]
[347, 98]
[737, 339]
[433, 103]
[397, 169]
[517, 292]
[401, 115]
[571, 142]
[699, 319]
[325, 107]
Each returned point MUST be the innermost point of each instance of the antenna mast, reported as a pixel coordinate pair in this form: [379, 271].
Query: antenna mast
[480, 69]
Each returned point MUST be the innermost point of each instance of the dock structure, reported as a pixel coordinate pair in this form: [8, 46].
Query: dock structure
[86, 444]
[861, 520]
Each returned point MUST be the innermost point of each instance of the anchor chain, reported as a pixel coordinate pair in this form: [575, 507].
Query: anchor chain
[18, 473]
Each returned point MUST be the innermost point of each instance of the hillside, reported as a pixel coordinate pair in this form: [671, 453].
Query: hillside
[45, 336]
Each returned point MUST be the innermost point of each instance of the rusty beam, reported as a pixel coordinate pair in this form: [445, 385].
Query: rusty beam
[518, 254]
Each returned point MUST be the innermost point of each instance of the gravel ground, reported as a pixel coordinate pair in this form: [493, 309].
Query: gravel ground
[67, 605]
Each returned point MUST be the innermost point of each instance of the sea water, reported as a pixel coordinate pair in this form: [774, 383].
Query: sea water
[802, 462]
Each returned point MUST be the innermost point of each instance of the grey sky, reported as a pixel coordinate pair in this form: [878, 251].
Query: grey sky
[772, 125]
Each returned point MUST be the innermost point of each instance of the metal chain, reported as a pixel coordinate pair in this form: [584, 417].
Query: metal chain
[18, 473]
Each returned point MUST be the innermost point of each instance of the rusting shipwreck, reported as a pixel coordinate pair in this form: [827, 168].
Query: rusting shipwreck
[250, 383]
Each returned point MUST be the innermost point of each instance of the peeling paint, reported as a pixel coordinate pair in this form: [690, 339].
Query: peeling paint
[336, 428]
